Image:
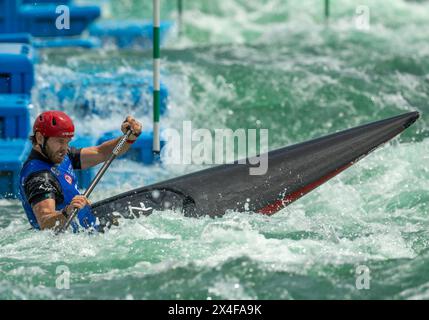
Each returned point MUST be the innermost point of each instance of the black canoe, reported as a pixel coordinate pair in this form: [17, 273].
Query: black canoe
[292, 172]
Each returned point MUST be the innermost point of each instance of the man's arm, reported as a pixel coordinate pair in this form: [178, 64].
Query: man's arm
[92, 156]
[48, 218]
[42, 191]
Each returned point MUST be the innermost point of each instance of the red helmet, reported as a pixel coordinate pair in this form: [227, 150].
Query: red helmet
[54, 124]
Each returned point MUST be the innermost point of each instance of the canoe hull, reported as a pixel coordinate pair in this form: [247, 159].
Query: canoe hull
[292, 172]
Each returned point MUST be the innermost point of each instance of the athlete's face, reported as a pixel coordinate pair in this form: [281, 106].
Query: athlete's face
[56, 148]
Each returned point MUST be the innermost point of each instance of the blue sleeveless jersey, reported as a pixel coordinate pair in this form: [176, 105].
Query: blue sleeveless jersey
[67, 179]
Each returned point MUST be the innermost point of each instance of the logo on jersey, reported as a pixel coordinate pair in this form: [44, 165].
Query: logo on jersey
[70, 170]
[55, 170]
[46, 187]
[68, 178]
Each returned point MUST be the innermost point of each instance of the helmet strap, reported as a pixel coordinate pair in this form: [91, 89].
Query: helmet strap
[43, 146]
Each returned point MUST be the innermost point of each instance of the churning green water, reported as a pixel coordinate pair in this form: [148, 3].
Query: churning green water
[271, 64]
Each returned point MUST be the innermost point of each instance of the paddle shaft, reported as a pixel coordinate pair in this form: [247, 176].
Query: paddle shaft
[156, 75]
[97, 178]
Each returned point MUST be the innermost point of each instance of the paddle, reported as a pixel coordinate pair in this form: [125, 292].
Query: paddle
[97, 178]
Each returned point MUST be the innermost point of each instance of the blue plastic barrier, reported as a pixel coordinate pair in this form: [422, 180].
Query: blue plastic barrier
[58, 42]
[40, 20]
[39, 17]
[58, 2]
[14, 116]
[141, 150]
[16, 68]
[89, 95]
[128, 33]
[87, 43]
[84, 176]
[13, 153]
[16, 38]
[8, 16]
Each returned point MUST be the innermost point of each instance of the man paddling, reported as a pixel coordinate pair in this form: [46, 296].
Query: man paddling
[48, 184]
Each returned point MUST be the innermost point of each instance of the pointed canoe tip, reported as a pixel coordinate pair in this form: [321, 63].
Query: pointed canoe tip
[411, 118]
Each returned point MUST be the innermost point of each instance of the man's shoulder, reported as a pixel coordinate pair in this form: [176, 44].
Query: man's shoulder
[74, 156]
[34, 163]
[42, 185]
[39, 177]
